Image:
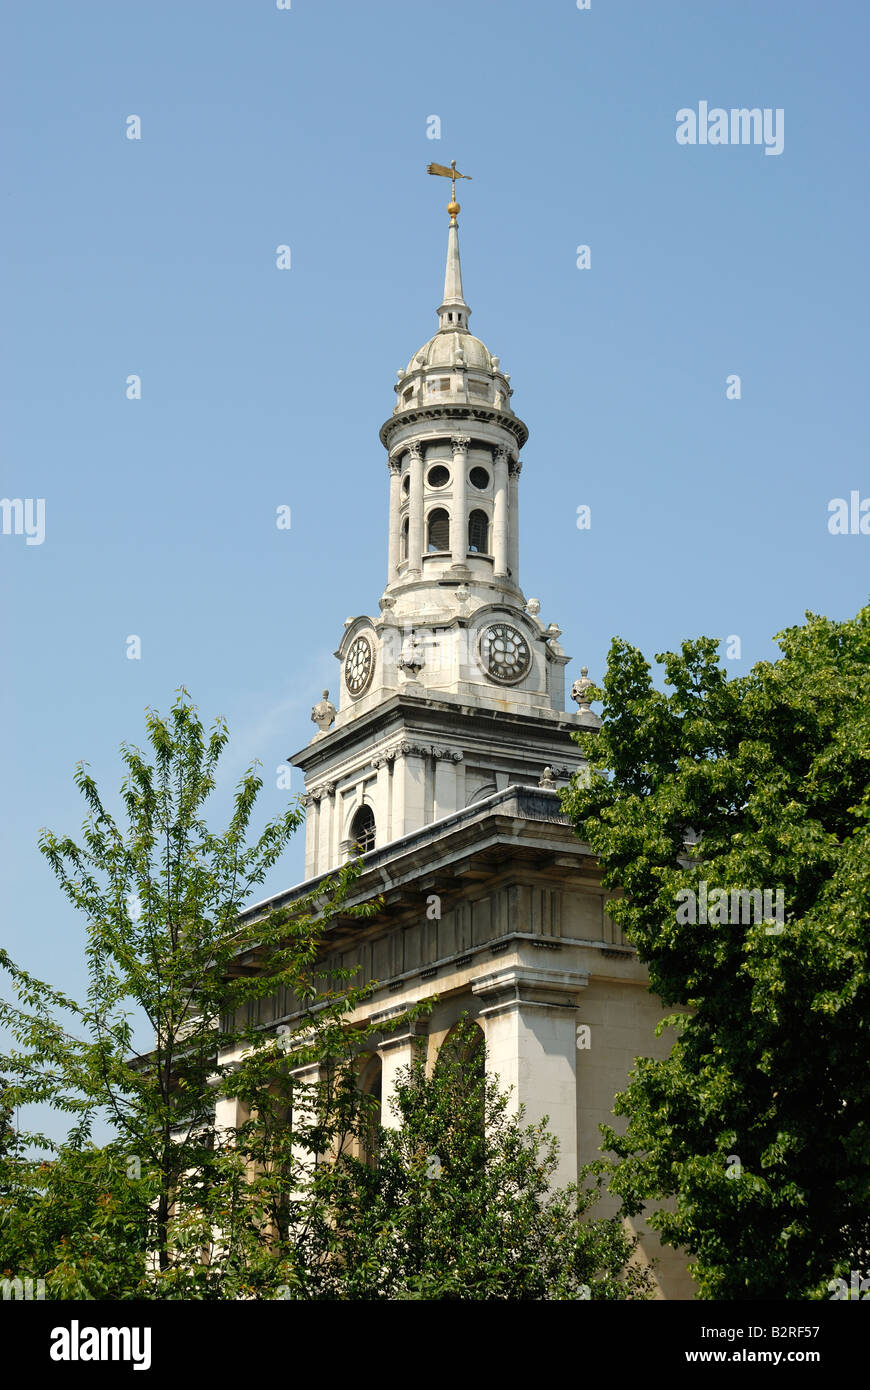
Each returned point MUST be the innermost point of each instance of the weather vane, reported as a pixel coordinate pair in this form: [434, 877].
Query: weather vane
[453, 174]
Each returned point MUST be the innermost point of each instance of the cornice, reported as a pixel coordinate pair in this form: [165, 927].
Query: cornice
[516, 817]
[539, 724]
[451, 413]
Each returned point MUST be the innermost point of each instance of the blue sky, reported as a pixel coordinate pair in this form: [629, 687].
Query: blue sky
[261, 387]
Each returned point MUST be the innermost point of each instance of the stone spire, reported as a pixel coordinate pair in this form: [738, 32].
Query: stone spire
[453, 444]
[453, 312]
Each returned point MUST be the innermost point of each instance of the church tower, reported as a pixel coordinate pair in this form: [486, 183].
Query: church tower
[456, 689]
[442, 764]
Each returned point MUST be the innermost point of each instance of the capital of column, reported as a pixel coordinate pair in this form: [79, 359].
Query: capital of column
[525, 987]
[395, 466]
[454, 754]
[309, 1073]
[415, 450]
[515, 467]
[408, 1037]
[501, 454]
[460, 443]
[408, 750]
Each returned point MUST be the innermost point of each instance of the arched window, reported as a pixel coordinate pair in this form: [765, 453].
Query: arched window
[370, 1084]
[464, 1045]
[438, 531]
[362, 830]
[405, 532]
[478, 533]
[461, 1064]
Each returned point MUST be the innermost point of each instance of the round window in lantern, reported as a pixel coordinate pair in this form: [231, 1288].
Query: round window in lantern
[479, 478]
[406, 484]
[438, 476]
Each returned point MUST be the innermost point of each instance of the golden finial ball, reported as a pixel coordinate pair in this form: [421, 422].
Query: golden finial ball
[453, 207]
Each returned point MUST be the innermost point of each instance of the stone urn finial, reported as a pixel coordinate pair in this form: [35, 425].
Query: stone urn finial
[547, 779]
[534, 607]
[324, 712]
[579, 690]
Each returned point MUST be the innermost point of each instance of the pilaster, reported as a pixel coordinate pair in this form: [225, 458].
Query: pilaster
[446, 764]
[529, 1017]
[397, 1051]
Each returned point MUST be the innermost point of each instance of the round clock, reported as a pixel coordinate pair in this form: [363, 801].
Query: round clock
[359, 666]
[504, 652]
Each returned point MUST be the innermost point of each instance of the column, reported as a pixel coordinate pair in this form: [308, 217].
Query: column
[409, 787]
[515, 468]
[396, 1051]
[416, 545]
[414, 769]
[381, 799]
[312, 834]
[227, 1116]
[397, 793]
[529, 1017]
[458, 504]
[333, 827]
[500, 513]
[395, 495]
[446, 800]
[304, 1112]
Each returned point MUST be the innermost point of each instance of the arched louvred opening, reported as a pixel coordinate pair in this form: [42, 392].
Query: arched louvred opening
[478, 533]
[405, 534]
[438, 531]
[362, 830]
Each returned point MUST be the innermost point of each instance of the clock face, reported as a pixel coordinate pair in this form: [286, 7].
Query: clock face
[504, 652]
[359, 666]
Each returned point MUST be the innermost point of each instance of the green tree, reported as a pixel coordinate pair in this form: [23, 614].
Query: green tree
[80, 1221]
[203, 1202]
[7, 1127]
[757, 1125]
[457, 1204]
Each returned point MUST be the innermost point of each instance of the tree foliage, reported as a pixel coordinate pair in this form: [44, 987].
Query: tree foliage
[757, 1125]
[167, 941]
[458, 1204]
